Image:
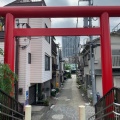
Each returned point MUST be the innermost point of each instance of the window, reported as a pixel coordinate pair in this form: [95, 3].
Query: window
[47, 62]
[29, 58]
[47, 38]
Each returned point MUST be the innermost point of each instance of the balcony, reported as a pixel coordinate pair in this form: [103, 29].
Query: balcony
[115, 61]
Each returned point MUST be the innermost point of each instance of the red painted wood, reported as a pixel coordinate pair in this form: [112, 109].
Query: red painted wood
[9, 44]
[107, 81]
[56, 31]
[60, 11]
[9, 41]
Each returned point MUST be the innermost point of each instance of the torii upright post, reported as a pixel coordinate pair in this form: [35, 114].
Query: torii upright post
[9, 42]
[107, 82]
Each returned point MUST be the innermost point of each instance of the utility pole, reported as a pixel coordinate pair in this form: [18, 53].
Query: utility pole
[92, 61]
[91, 53]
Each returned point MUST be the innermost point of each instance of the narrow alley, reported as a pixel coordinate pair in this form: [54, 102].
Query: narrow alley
[66, 104]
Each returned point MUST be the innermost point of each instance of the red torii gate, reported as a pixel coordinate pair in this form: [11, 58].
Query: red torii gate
[56, 12]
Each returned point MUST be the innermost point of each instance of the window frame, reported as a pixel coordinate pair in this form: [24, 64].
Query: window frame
[29, 58]
[47, 38]
[47, 65]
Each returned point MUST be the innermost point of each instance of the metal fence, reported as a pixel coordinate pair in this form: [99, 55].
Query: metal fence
[108, 107]
[10, 109]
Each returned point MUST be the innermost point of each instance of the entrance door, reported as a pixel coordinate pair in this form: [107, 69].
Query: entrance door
[32, 94]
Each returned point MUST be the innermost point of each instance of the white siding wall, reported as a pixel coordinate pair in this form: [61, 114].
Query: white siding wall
[115, 44]
[28, 71]
[39, 47]
[36, 60]
[35, 22]
[22, 70]
[116, 82]
[23, 67]
[36, 52]
[46, 49]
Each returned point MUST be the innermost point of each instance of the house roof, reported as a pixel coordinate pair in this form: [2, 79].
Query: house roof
[114, 33]
[19, 3]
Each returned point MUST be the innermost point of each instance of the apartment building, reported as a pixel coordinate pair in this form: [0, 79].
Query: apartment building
[70, 47]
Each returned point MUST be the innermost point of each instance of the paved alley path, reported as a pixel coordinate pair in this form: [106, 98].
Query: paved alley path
[66, 105]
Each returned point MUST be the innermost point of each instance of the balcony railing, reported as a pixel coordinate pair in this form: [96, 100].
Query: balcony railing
[10, 108]
[115, 61]
[54, 48]
[108, 107]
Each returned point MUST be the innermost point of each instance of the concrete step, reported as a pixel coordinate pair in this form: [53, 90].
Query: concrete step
[38, 112]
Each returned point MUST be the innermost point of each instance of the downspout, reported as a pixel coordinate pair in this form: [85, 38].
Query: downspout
[16, 67]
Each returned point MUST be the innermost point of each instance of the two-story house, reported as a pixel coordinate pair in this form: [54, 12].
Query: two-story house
[85, 64]
[33, 58]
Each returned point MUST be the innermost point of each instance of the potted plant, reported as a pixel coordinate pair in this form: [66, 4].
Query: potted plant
[53, 92]
[57, 90]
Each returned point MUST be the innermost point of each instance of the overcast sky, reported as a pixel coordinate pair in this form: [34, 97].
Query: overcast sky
[71, 22]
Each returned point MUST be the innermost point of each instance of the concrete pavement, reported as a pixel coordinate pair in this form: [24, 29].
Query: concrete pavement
[65, 105]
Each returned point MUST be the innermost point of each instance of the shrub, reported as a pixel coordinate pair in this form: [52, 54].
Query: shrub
[69, 75]
[53, 93]
[7, 77]
[46, 102]
[57, 90]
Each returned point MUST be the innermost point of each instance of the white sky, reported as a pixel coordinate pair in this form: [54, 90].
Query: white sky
[71, 22]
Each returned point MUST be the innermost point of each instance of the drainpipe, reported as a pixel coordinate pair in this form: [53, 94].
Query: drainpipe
[16, 66]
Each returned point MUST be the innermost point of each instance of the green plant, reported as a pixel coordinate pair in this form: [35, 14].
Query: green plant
[67, 67]
[57, 90]
[7, 77]
[53, 93]
[46, 102]
[68, 75]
